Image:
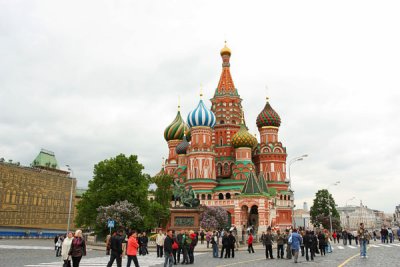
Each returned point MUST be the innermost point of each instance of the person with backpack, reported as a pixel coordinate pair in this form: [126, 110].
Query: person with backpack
[116, 249]
[309, 244]
[321, 243]
[280, 241]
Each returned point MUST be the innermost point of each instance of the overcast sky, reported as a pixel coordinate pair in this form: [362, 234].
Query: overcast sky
[92, 79]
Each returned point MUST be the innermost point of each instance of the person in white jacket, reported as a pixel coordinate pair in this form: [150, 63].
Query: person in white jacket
[160, 244]
[66, 245]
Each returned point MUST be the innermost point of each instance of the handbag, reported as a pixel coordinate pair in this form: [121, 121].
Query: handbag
[67, 262]
[175, 246]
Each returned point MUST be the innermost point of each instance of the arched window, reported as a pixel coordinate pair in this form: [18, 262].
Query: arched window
[8, 197]
[203, 196]
[209, 196]
[221, 141]
[281, 197]
[198, 197]
[228, 196]
[219, 169]
[13, 196]
[221, 196]
[288, 198]
[222, 122]
[226, 168]
[284, 197]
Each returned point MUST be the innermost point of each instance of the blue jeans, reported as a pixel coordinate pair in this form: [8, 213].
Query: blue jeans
[215, 250]
[363, 247]
[169, 260]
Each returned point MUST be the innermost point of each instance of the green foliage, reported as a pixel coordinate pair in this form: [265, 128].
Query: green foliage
[163, 193]
[115, 179]
[322, 206]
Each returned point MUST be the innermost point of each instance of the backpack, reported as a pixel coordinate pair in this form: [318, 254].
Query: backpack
[175, 245]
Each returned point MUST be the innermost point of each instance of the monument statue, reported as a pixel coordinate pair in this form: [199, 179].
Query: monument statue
[185, 197]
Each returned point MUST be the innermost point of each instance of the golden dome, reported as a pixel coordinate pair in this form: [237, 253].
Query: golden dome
[226, 50]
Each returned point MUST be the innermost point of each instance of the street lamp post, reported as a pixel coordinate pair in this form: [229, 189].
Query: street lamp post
[70, 197]
[330, 208]
[290, 182]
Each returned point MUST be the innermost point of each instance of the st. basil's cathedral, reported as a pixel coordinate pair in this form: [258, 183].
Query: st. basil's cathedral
[225, 164]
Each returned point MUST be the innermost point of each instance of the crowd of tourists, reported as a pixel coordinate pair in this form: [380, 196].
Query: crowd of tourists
[179, 247]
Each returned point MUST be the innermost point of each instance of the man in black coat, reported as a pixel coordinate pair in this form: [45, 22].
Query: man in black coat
[310, 241]
[225, 246]
[232, 241]
[116, 249]
[168, 253]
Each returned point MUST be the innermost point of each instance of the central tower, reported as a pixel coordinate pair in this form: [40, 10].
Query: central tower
[227, 107]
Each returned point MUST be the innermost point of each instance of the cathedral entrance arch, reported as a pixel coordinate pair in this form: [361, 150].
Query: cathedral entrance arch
[253, 217]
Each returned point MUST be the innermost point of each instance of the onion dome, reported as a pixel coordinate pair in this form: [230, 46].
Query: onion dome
[201, 116]
[182, 146]
[268, 117]
[176, 130]
[243, 138]
[226, 50]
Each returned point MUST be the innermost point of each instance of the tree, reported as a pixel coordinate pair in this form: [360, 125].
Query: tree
[323, 205]
[214, 218]
[124, 214]
[114, 179]
[163, 193]
[159, 209]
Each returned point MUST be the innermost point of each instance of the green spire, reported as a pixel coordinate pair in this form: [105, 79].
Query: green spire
[251, 186]
[262, 183]
[45, 159]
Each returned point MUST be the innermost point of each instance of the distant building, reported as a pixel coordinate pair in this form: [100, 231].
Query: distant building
[352, 216]
[302, 218]
[396, 216]
[35, 197]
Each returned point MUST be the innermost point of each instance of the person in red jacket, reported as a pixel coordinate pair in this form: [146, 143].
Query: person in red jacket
[131, 250]
[250, 243]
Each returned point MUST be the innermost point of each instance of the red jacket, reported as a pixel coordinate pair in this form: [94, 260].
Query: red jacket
[250, 240]
[132, 246]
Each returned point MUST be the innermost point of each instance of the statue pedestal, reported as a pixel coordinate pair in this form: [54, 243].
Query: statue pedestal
[185, 219]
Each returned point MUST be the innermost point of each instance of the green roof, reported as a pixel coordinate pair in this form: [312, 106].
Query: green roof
[200, 180]
[262, 183]
[203, 191]
[45, 159]
[251, 186]
[230, 181]
[228, 187]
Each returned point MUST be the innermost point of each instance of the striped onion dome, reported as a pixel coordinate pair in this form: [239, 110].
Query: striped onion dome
[176, 130]
[268, 117]
[201, 116]
[243, 138]
[182, 146]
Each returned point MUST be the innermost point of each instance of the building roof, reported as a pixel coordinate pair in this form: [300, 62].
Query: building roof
[45, 159]
[262, 183]
[268, 117]
[251, 186]
[225, 84]
[177, 128]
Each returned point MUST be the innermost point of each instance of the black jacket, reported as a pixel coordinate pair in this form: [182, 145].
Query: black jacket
[168, 245]
[232, 241]
[116, 244]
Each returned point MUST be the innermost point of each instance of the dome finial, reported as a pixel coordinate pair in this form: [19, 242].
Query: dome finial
[266, 91]
[225, 50]
[179, 103]
[201, 91]
[242, 118]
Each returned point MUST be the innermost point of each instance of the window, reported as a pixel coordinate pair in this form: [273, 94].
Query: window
[222, 122]
[221, 196]
[221, 141]
[228, 195]
[209, 196]
[203, 196]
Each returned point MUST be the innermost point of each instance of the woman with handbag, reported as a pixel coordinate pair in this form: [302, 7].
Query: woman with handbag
[66, 246]
[78, 248]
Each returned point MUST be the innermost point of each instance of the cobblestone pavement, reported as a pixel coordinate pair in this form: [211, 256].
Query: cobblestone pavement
[40, 253]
